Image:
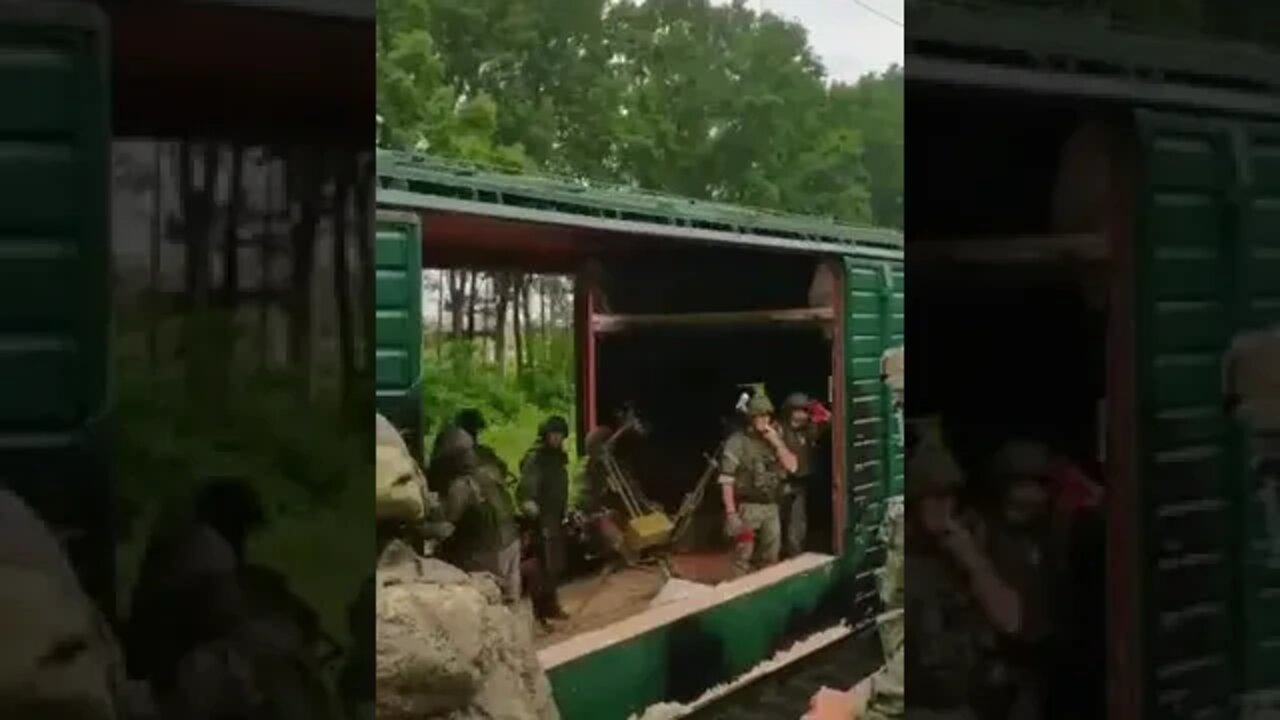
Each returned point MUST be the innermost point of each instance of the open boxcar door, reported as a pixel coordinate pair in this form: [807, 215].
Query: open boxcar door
[1202, 634]
[398, 324]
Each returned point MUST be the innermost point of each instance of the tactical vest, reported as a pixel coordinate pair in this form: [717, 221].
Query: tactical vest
[760, 474]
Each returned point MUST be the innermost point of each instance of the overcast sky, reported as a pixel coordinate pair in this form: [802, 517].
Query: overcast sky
[850, 39]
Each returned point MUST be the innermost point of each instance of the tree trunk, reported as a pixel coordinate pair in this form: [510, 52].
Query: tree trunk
[502, 300]
[472, 302]
[526, 296]
[517, 299]
[157, 231]
[235, 197]
[457, 300]
[342, 275]
[440, 300]
[543, 295]
[305, 191]
[365, 233]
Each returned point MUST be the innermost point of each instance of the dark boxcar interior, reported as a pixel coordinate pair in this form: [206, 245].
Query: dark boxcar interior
[1007, 323]
[684, 380]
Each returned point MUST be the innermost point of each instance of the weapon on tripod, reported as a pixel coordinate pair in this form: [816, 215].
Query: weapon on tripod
[646, 526]
[691, 502]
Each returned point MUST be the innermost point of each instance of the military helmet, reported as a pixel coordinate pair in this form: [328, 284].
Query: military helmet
[454, 441]
[1022, 459]
[759, 404]
[931, 468]
[471, 420]
[554, 424]
[796, 401]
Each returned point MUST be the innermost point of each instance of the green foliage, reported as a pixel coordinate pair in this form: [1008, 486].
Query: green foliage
[301, 454]
[514, 403]
[710, 101]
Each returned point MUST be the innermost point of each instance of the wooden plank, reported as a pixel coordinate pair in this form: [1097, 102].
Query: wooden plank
[604, 323]
[1034, 249]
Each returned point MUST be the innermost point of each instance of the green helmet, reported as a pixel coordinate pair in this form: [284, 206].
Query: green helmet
[554, 424]
[796, 401]
[759, 405]
[932, 469]
[1022, 460]
[471, 420]
[454, 441]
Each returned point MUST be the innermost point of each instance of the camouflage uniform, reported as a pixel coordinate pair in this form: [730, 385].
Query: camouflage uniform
[751, 465]
[949, 634]
[544, 488]
[478, 505]
[887, 697]
[802, 442]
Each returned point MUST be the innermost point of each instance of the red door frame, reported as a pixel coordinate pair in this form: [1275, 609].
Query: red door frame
[839, 411]
[1124, 495]
[585, 287]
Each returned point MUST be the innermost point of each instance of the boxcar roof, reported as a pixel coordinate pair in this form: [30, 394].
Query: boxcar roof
[428, 183]
[992, 43]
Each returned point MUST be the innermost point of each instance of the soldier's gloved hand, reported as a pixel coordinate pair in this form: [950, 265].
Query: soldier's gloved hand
[733, 525]
[529, 509]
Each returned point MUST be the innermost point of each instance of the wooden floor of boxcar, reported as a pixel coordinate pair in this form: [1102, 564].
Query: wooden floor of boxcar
[596, 602]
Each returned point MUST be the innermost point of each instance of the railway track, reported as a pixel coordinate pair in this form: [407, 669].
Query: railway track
[784, 694]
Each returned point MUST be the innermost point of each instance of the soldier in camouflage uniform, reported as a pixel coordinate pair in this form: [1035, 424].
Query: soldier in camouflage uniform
[544, 496]
[477, 503]
[801, 435]
[472, 420]
[753, 465]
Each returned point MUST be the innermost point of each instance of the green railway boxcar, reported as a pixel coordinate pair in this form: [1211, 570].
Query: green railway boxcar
[54, 271]
[1149, 199]
[659, 281]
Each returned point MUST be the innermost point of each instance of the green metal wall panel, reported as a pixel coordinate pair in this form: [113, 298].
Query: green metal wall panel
[874, 465]
[1206, 242]
[398, 324]
[680, 661]
[55, 231]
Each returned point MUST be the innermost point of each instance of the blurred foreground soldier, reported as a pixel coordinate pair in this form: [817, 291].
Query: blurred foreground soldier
[800, 433]
[882, 695]
[959, 606]
[544, 495]
[405, 509]
[753, 466]
[188, 590]
[58, 659]
[479, 507]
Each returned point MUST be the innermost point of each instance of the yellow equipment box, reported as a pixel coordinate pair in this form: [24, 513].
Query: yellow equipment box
[648, 531]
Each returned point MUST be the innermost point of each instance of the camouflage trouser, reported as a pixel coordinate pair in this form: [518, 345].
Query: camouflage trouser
[795, 520]
[508, 567]
[766, 543]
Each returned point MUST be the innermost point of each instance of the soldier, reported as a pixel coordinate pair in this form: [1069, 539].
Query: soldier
[753, 465]
[480, 508]
[471, 420]
[800, 433]
[544, 495]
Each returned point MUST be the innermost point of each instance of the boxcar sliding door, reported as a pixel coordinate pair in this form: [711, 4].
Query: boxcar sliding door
[1207, 266]
[398, 324]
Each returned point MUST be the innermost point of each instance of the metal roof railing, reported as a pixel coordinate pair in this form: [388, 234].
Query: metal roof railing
[533, 196]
